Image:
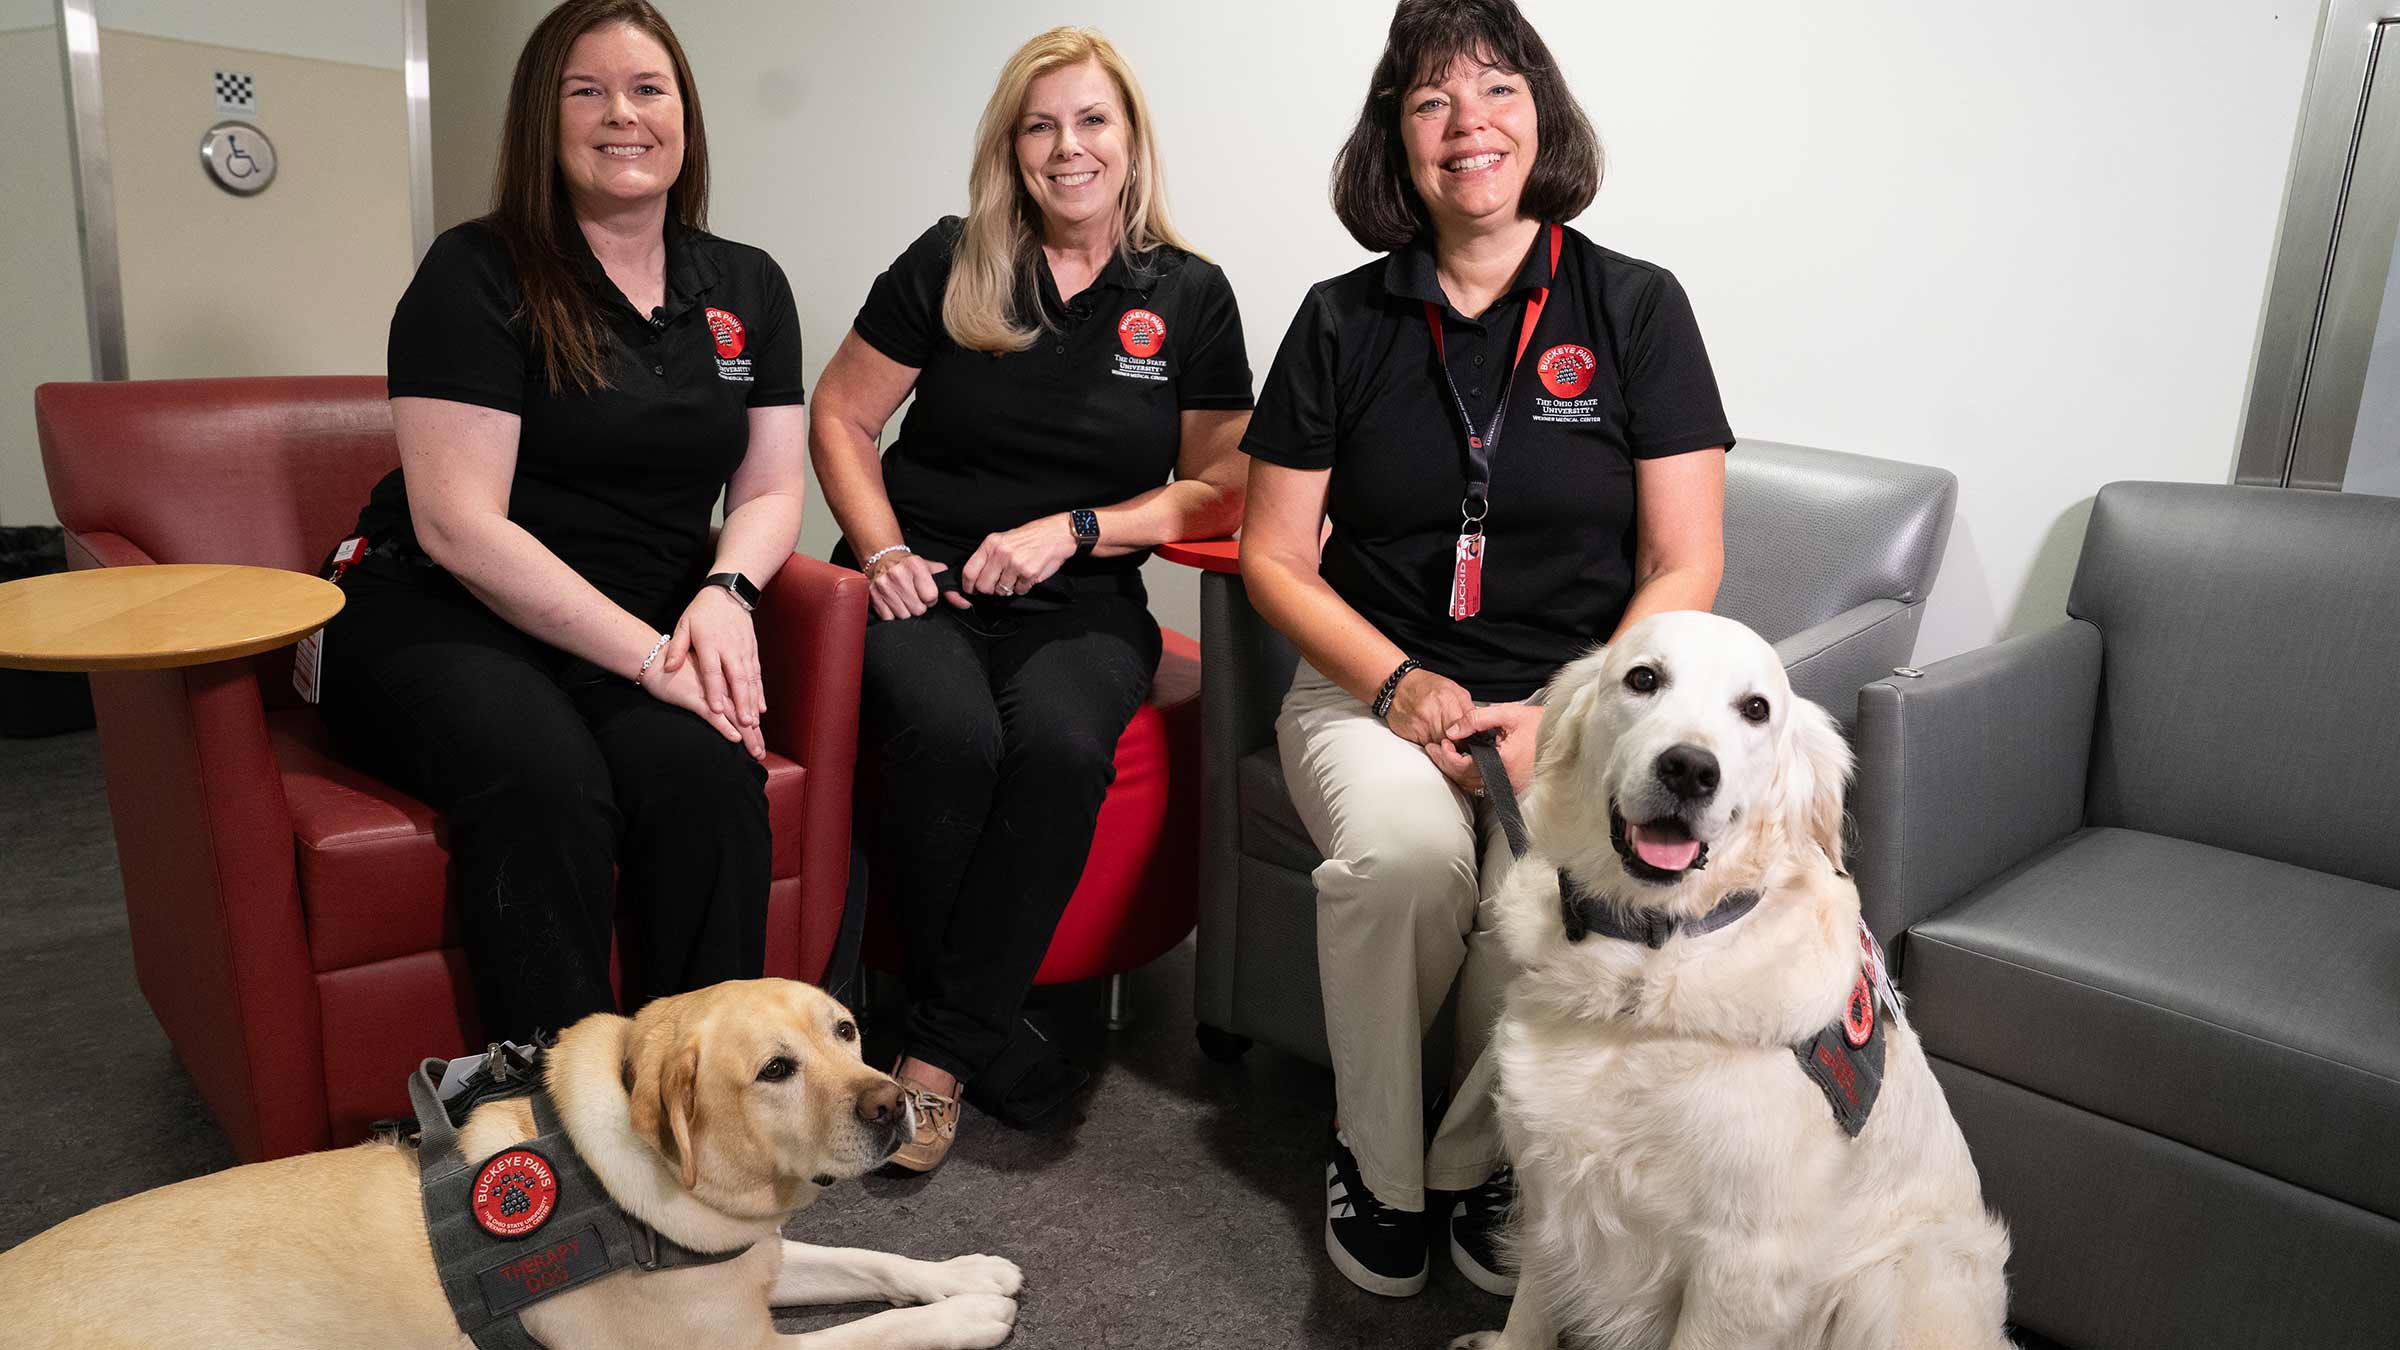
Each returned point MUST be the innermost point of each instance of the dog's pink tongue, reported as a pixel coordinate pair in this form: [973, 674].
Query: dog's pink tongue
[1665, 854]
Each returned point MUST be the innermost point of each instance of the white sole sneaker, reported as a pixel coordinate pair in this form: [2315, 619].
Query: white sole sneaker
[1489, 1281]
[1386, 1285]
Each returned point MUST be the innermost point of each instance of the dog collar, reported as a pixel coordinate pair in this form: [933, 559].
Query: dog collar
[531, 1221]
[1584, 912]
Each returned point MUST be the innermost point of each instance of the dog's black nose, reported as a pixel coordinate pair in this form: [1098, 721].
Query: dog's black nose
[1688, 771]
[880, 1104]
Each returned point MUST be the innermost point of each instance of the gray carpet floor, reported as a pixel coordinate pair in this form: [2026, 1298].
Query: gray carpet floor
[1182, 1210]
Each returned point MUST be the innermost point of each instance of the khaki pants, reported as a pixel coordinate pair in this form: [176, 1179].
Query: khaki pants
[1409, 860]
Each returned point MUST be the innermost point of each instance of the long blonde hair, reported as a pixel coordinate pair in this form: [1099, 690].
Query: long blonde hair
[989, 305]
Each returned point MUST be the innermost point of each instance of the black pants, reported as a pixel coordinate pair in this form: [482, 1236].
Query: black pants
[566, 790]
[988, 742]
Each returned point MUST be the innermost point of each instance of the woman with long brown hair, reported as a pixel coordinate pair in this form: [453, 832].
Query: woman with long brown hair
[1069, 353]
[541, 640]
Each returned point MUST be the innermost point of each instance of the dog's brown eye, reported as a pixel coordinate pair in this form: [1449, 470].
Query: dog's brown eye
[777, 1069]
[1755, 708]
[845, 1030]
[1641, 679]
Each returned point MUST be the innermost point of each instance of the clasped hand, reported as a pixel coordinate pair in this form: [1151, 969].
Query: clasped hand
[1008, 563]
[710, 666]
[1437, 714]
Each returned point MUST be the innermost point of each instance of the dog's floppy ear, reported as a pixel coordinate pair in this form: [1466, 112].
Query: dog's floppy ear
[666, 1098]
[1568, 702]
[1810, 775]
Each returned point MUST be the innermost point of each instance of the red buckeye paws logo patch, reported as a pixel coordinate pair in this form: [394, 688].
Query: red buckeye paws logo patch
[727, 330]
[1566, 370]
[1141, 332]
[515, 1193]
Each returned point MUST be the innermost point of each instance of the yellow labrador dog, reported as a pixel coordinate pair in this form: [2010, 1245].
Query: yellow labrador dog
[712, 1117]
[1697, 1029]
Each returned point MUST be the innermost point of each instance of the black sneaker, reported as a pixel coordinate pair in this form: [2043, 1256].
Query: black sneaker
[1380, 1249]
[1477, 1222]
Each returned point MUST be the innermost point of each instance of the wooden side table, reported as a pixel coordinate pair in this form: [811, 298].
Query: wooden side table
[158, 616]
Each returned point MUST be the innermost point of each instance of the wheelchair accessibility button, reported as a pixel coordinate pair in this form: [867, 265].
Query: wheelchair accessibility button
[238, 157]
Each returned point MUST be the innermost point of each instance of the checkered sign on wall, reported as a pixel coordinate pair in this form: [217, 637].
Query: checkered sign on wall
[236, 92]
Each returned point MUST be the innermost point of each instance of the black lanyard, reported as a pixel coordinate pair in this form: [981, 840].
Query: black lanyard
[1480, 449]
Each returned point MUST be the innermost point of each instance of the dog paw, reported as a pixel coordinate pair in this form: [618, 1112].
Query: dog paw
[1477, 1340]
[968, 1275]
[974, 1321]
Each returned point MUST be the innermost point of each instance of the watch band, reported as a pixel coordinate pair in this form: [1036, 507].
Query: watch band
[1086, 525]
[736, 585]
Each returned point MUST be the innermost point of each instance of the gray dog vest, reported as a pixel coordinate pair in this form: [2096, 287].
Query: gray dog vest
[527, 1223]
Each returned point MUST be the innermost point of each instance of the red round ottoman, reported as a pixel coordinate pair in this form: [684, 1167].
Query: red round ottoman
[1140, 893]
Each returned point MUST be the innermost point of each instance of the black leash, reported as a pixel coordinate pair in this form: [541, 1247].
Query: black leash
[1484, 748]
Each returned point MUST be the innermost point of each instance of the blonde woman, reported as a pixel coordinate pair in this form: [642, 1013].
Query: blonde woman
[1081, 392]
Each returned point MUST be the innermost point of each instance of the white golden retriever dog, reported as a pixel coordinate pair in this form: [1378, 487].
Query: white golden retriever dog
[1694, 1017]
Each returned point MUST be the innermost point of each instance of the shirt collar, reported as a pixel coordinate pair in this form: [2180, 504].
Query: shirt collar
[1137, 274]
[691, 272]
[1410, 272]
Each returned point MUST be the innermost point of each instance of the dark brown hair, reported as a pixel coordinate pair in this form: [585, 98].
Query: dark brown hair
[530, 211]
[1372, 194]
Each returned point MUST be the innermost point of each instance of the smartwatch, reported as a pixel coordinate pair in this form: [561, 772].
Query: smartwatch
[737, 586]
[1086, 525]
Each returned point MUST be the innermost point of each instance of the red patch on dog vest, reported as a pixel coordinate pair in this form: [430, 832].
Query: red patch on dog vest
[1858, 1018]
[514, 1194]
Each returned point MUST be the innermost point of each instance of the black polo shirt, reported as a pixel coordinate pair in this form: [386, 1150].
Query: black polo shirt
[619, 482]
[1615, 372]
[1089, 416]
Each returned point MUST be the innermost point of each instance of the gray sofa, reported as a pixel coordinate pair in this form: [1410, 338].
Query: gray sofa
[1826, 554]
[2138, 872]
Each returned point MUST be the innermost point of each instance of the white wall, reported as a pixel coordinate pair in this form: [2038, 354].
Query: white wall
[2028, 244]
[471, 50]
[41, 265]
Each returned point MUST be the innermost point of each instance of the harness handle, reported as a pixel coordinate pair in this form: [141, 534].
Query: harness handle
[437, 1137]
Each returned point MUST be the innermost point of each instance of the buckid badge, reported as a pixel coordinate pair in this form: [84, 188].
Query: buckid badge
[1466, 578]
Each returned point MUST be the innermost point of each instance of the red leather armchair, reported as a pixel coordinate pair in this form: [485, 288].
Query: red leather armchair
[292, 919]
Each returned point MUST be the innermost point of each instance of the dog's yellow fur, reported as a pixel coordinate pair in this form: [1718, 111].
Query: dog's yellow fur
[329, 1249]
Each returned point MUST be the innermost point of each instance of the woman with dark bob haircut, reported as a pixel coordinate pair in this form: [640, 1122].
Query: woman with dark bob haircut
[542, 639]
[1517, 438]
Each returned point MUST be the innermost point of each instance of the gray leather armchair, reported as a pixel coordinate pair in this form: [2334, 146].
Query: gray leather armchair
[2139, 873]
[1827, 555]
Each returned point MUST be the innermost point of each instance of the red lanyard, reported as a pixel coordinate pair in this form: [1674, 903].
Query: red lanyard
[1466, 582]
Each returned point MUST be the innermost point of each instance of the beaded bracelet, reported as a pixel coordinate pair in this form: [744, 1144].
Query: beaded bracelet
[655, 649]
[880, 554]
[1391, 686]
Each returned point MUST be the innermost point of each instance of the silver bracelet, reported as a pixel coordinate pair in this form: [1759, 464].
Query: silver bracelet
[655, 649]
[880, 554]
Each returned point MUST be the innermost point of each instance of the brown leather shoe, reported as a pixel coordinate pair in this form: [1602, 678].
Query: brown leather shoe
[936, 1120]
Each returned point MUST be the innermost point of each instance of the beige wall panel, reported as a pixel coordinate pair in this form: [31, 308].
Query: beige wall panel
[298, 280]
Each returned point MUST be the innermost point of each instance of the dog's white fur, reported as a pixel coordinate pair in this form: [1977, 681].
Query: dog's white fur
[329, 1249]
[1680, 1182]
